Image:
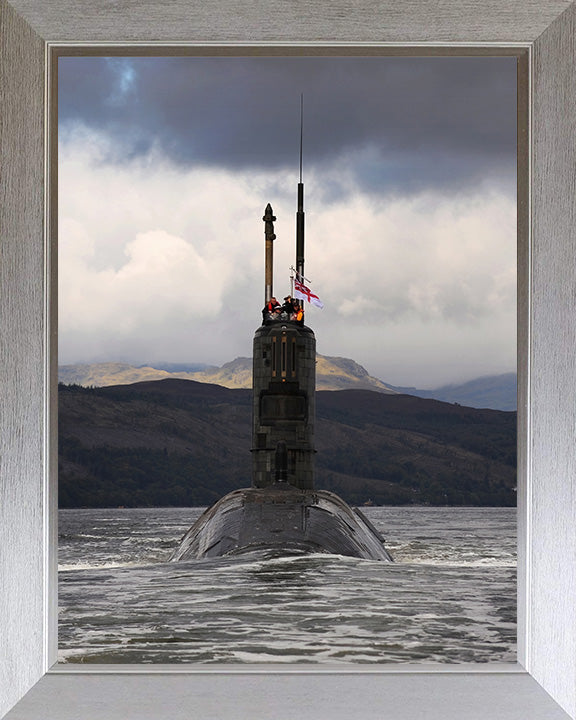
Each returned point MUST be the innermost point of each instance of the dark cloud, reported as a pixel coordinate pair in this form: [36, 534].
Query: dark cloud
[396, 124]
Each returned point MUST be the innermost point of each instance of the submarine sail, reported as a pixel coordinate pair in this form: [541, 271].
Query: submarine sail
[282, 509]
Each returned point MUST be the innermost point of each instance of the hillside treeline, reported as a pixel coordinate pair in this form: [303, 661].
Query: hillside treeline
[183, 443]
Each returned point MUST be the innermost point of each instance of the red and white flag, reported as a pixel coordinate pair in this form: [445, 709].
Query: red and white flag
[301, 292]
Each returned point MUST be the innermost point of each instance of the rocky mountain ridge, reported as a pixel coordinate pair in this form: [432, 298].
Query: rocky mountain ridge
[332, 373]
[497, 392]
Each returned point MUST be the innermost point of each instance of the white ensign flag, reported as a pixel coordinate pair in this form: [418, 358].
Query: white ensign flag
[301, 292]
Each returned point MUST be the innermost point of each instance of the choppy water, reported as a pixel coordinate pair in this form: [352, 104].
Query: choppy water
[450, 597]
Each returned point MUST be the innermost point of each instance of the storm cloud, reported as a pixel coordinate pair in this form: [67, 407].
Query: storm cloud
[399, 125]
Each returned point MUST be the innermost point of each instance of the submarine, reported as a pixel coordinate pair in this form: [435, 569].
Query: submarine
[282, 511]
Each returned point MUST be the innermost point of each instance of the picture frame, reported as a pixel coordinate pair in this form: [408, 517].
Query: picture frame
[543, 683]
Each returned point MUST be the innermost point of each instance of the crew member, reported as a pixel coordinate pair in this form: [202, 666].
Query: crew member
[271, 309]
[288, 306]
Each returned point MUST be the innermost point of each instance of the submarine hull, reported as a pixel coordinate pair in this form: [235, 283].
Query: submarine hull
[281, 517]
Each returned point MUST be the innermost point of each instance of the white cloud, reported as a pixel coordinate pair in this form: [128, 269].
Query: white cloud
[357, 306]
[157, 262]
[429, 257]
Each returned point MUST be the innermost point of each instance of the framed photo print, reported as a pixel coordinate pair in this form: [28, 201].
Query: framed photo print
[540, 39]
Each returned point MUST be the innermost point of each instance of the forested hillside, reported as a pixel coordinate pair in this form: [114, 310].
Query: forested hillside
[179, 442]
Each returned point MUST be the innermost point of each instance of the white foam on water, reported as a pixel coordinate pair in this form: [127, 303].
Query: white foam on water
[451, 562]
[100, 565]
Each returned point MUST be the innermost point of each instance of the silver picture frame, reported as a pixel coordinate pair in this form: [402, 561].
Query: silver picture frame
[542, 685]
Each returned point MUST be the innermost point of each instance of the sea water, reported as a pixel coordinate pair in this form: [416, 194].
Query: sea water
[449, 597]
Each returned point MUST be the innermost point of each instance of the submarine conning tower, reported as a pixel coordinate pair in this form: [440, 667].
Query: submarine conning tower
[284, 382]
[282, 511]
[283, 405]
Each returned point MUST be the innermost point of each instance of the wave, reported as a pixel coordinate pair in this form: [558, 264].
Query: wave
[68, 567]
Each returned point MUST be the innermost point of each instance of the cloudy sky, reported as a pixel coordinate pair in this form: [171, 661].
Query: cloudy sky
[166, 166]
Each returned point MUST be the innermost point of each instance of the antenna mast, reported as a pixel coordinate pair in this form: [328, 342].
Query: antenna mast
[269, 219]
[301, 130]
[300, 212]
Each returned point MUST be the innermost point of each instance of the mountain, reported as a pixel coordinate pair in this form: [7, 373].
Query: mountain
[173, 367]
[332, 373]
[109, 373]
[234, 374]
[493, 391]
[178, 442]
[336, 373]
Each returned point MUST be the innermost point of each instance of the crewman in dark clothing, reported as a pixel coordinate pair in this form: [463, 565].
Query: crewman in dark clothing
[289, 308]
[271, 309]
